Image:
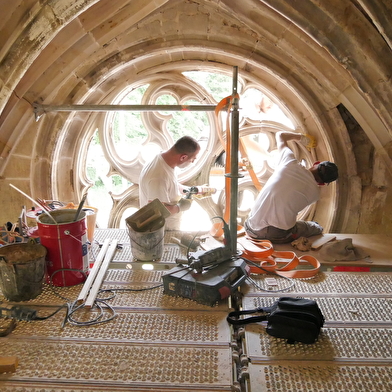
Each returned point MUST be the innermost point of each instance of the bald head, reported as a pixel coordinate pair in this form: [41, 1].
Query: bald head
[186, 145]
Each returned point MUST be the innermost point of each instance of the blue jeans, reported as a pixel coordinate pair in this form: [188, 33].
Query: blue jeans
[280, 236]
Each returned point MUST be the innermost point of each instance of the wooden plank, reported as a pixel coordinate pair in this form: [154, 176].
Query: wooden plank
[317, 244]
[94, 271]
[8, 364]
[101, 274]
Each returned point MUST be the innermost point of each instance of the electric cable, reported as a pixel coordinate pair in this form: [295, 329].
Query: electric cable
[102, 307]
[99, 304]
[106, 312]
[24, 313]
[50, 315]
[143, 289]
[189, 248]
[51, 285]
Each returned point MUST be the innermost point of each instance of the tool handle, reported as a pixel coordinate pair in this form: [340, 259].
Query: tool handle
[80, 207]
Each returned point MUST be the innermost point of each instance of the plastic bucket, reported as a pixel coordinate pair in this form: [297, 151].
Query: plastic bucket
[66, 243]
[147, 245]
[91, 219]
[22, 271]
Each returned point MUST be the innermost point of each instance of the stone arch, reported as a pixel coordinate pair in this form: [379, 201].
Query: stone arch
[306, 112]
[66, 53]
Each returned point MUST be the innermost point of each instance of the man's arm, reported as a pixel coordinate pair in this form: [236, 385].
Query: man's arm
[283, 137]
[173, 209]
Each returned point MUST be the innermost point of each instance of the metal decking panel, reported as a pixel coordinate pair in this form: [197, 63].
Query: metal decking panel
[156, 342]
[163, 343]
[182, 346]
[107, 364]
[303, 377]
[354, 349]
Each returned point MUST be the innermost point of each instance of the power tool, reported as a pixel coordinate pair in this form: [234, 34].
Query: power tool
[199, 192]
[209, 276]
[18, 312]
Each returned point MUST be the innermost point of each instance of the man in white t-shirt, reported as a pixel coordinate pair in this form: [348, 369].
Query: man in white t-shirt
[158, 179]
[288, 191]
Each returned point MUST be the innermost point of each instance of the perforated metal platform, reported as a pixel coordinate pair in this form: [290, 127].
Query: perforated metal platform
[300, 377]
[354, 350]
[156, 342]
[163, 343]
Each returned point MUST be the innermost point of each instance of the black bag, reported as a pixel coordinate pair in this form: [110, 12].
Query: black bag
[294, 319]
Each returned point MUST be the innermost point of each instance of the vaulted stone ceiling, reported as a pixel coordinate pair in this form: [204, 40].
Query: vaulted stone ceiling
[316, 54]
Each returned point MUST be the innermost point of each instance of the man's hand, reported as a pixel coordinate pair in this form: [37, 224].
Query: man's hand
[308, 141]
[184, 204]
[283, 137]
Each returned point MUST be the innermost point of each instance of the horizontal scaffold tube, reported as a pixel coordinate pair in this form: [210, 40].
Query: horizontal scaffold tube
[40, 109]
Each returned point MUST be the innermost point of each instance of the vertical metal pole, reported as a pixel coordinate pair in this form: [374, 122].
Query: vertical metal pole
[234, 164]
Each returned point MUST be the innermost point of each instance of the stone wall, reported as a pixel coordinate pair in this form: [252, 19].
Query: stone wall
[315, 54]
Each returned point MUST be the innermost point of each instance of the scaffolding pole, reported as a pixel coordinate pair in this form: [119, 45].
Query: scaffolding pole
[234, 175]
[39, 109]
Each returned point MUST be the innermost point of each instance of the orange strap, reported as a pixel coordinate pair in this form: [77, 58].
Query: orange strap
[282, 263]
[217, 229]
[248, 165]
[226, 102]
[254, 250]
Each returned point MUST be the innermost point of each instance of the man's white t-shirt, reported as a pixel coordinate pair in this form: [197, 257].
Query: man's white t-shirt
[159, 181]
[288, 191]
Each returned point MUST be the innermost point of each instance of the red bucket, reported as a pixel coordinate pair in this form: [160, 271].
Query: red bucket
[66, 243]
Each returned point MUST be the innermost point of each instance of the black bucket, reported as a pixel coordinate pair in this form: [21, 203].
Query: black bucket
[22, 271]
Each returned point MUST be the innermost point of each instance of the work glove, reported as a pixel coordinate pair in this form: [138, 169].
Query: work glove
[184, 204]
[308, 141]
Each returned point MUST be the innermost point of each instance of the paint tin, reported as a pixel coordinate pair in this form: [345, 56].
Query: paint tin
[66, 243]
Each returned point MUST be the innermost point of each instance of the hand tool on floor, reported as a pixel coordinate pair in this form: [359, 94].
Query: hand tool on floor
[186, 242]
